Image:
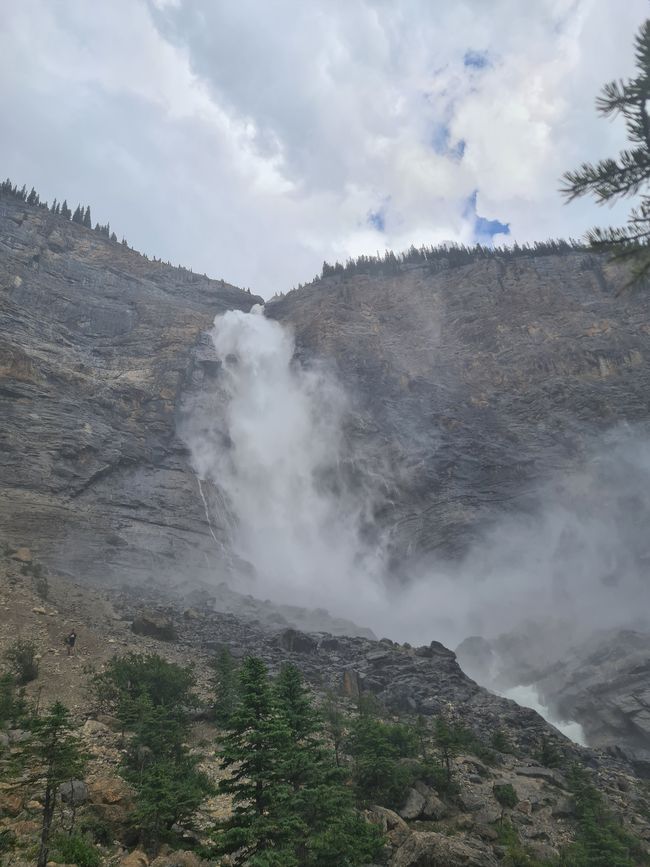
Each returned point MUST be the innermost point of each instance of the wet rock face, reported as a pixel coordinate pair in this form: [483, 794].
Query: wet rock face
[604, 684]
[95, 344]
[470, 383]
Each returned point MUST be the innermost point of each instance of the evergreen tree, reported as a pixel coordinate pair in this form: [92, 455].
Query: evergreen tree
[292, 807]
[327, 828]
[225, 682]
[86, 220]
[376, 748]
[152, 697]
[254, 750]
[335, 726]
[65, 210]
[53, 756]
[77, 217]
[628, 174]
[600, 841]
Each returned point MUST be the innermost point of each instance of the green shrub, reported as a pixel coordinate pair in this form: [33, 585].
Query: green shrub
[501, 742]
[376, 748]
[12, 702]
[21, 655]
[505, 795]
[515, 853]
[7, 840]
[548, 755]
[98, 829]
[74, 849]
[127, 679]
[601, 840]
[434, 774]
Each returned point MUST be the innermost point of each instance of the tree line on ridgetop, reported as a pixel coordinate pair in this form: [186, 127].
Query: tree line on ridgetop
[80, 215]
[445, 255]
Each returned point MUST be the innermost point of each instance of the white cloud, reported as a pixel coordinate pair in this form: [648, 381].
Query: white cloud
[252, 139]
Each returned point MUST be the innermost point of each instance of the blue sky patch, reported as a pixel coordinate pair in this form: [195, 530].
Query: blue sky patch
[441, 142]
[377, 219]
[484, 230]
[476, 59]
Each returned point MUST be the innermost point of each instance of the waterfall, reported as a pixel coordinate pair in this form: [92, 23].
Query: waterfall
[274, 447]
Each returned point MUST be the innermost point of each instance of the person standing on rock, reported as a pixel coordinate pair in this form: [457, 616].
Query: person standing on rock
[70, 642]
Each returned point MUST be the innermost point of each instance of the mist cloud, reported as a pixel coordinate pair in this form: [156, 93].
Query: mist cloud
[273, 443]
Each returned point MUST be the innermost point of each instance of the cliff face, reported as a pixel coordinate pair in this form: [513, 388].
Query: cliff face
[472, 383]
[95, 343]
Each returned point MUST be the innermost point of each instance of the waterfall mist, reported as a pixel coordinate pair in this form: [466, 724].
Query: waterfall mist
[272, 443]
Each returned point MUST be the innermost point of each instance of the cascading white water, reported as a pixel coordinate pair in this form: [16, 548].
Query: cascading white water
[273, 451]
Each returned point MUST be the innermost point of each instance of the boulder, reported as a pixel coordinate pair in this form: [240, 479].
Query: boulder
[178, 859]
[155, 625]
[390, 823]
[297, 642]
[94, 729]
[22, 555]
[428, 849]
[137, 858]
[413, 806]
[555, 778]
[11, 803]
[74, 792]
[109, 790]
[351, 683]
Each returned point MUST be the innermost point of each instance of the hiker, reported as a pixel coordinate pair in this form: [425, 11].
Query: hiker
[70, 643]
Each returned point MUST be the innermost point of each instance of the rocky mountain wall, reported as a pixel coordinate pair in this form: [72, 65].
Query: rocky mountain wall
[95, 346]
[472, 384]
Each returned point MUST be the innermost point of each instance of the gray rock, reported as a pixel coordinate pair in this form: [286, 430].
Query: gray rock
[555, 778]
[413, 806]
[428, 849]
[458, 367]
[297, 642]
[74, 792]
[90, 392]
[155, 625]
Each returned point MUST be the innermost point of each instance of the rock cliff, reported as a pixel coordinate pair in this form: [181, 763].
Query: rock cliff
[472, 383]
[95, 343]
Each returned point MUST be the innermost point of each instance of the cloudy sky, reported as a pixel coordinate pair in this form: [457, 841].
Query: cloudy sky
[252, 139]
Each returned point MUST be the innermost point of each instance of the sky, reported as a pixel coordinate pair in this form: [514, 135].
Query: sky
[254, 139]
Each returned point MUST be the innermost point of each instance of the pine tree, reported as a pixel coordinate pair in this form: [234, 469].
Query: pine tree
[151, 697]
[292, 807]
[77, 217]
[86, 220]
[327, 828]
[254, 750]
[224, 680]
[629, 174]
[65, 210]
[376, 748]
[53, 756]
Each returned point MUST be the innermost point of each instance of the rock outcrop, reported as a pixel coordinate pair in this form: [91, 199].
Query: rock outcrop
[601, 681]
[95, 346]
